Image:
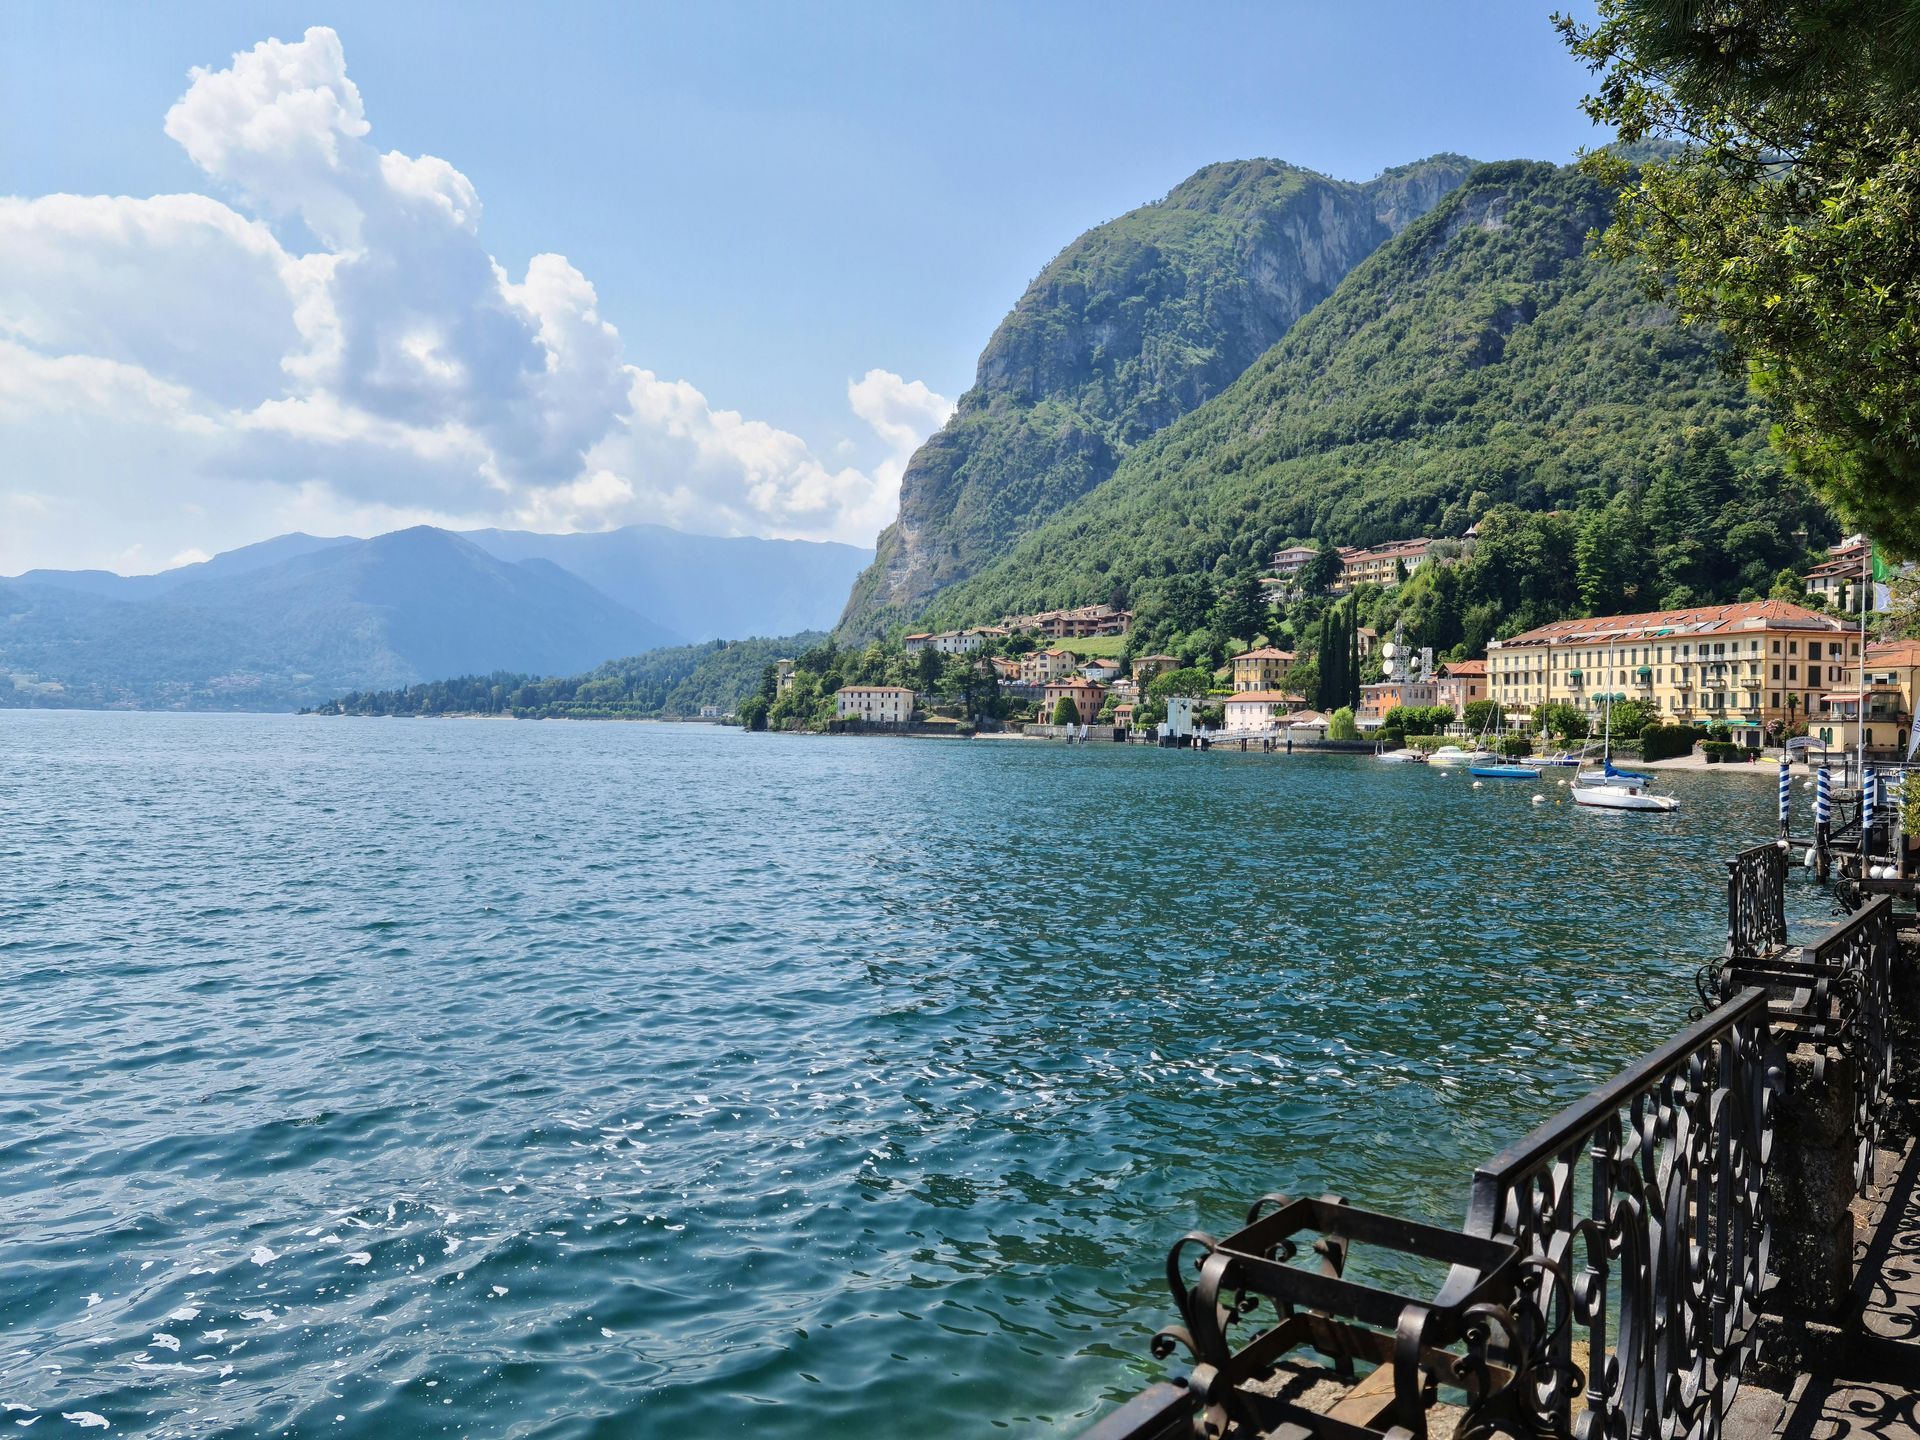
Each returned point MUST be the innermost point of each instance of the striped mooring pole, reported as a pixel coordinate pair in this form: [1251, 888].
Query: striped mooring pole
[1869, 802]
[1822, 816]
[1786, 795]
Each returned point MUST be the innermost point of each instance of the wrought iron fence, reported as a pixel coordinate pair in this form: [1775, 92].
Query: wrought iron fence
[1756, 902]
[1670, 1158]
[1610, 1273]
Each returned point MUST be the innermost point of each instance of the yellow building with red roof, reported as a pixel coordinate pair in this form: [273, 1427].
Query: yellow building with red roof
[1740, 665]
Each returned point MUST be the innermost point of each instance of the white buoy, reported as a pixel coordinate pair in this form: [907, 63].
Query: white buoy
[1476, 784]
[1811, 858]
[1784, 843]
[1539, 799]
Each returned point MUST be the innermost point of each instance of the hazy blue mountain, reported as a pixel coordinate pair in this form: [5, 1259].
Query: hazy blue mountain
[705, 587]
[332, 616]
[228, 562]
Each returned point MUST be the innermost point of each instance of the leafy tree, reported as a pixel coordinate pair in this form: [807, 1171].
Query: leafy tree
[769, 690]
[1610, 559]
[1481, 715]
[1418, 719]
[1341, 725]
[1242, 612]
[1630, 717]
[1065, 712]
[753, 712]
[1563, 720]
[1789, 585]
[1321, 573]
[1790, 216]
[929, 670]
[1186, 600]
[1190, 682]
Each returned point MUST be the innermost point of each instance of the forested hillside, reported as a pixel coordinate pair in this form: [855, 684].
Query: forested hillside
[1483, 358]
[1132, 325]
[668, 683]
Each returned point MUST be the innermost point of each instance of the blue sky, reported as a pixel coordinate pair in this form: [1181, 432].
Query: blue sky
[770, 202]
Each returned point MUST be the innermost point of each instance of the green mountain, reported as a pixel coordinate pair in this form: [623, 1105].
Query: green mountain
[1483, 356]
[676, 682]
[1133, 325]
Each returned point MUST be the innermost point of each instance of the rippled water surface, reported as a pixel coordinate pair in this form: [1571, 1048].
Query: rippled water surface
[389, 1078]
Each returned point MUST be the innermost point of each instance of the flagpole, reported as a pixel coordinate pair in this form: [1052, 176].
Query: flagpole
[1860, 710]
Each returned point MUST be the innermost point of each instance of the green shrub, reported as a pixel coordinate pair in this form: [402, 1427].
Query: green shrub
[1722, 750]
[1514, 746]
[1719, 734]
[1065, 712]
[1664, 742]
[1392, 740]
[1341, 726]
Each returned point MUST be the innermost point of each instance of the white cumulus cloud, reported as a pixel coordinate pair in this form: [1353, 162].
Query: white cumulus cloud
[331, 331]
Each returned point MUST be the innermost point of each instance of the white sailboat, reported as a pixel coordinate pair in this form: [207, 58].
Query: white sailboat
[1611, 789]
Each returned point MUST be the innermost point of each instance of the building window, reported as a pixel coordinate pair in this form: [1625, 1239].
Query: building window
[1773, 700]
[1793, 647]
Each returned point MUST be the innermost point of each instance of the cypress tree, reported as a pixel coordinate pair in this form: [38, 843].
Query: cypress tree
[1352, 673]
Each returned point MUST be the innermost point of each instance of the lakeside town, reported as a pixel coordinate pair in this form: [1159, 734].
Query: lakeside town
[1741, 677]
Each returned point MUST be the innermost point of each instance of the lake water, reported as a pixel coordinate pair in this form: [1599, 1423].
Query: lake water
[391, 1078]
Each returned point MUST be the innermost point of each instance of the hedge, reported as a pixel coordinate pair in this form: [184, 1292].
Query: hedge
[1663, 742]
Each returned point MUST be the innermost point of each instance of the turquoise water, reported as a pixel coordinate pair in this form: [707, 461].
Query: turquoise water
[389, 1078]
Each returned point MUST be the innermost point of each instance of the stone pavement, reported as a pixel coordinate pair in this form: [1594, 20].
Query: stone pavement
[1866, 1384]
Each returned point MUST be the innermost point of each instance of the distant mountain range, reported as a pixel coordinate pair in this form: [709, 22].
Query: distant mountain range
[296, 619]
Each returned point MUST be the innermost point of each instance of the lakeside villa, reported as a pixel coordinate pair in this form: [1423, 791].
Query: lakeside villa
[875, 704]
[1741, 665]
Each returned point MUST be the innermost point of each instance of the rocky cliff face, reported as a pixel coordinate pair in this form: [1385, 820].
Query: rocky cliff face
[1133, 325]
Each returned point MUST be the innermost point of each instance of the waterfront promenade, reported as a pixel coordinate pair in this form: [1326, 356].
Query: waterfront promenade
[1721, 1240]
[1868, 1383]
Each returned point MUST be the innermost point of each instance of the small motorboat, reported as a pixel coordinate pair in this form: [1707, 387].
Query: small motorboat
[1454, 755]
[1402, 757]
[1562, 761]
[1507, 772]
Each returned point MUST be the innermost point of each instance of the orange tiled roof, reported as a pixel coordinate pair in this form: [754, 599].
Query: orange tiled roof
[1894, 652]
[1682, 624]
[1265, 652]
[1263, 697]
[1457, 668]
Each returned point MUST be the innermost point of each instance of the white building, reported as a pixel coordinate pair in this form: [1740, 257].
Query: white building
[1258, 712]
[875, 704]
